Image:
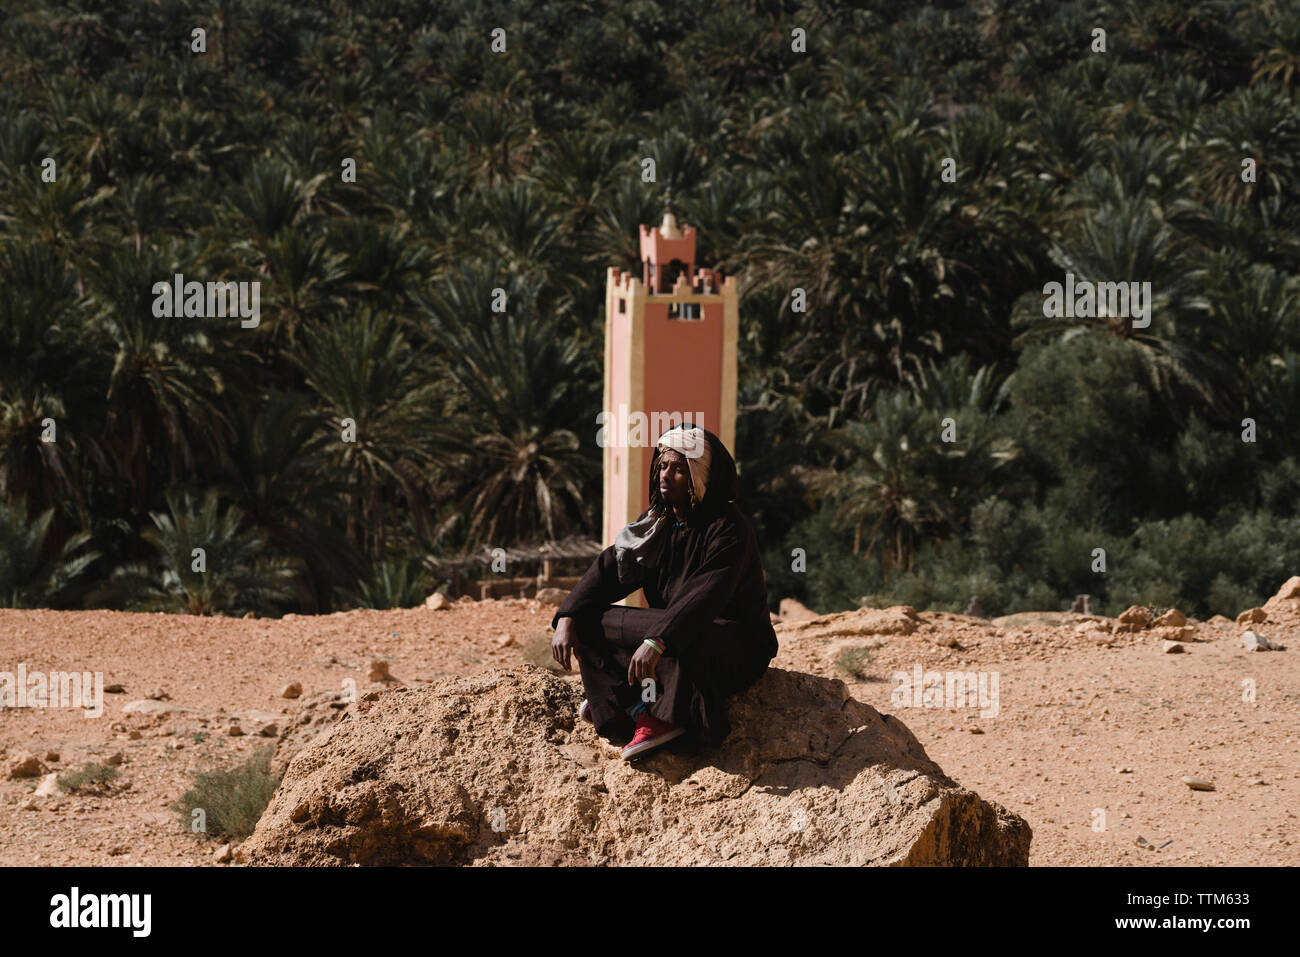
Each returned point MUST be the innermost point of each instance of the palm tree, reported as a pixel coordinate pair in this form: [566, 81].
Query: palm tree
[272, 198]
[44, 374]
[23, 143]
[1133, 166]
[93, 127]
[1065, 129]
[803, 243]
[161, 398]
[575, 167]
[57, 214]
[1180, 103]
[975, 464]
[305, 279]
[190, 140]
[904, 476]
[1125, 241]
[677, 162]
[527, 388]
[363, 369]
[896, 263]
[1276, 391]
[885, 482]
[1257, 123]
[27, 579]
[381, 262]
[397, 583]
[237, 575]
[412, 178]
[521, 226]
[722, 209]
[1253, 308]
[280, 477]
[1281, 35]
[494, 134]
[143, 203]
[625, 208]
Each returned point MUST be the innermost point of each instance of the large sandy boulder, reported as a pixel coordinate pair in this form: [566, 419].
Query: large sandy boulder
[498, 769]
[316, 714]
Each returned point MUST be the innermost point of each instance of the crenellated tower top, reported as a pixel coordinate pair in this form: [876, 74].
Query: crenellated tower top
[667, 251]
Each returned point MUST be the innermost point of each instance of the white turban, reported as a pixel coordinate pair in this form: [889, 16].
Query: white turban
[692, 444]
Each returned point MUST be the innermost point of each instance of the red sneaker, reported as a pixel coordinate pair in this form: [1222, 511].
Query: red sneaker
[650, 733]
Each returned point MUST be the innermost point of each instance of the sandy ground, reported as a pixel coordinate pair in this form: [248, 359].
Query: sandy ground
[1071, 714]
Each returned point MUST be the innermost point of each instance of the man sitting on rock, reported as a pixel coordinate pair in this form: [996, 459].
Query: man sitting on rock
[707, 633]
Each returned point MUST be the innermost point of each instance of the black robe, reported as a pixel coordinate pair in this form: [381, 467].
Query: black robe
[708, 606]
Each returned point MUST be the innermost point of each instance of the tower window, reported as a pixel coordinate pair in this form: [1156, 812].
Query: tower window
[674, 269]
[622, 305]
[683, 310]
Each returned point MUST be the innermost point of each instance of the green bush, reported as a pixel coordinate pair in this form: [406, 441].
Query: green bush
[1200, 567]
[91, 777]
[834, 578]
[232, 799]
[1207, 567]
[853, 661]
[1090, 427]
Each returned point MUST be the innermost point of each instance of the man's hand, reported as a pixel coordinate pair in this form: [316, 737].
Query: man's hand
[642, 664]
[565, 643]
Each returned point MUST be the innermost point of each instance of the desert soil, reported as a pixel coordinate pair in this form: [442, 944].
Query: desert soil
[1092, 727]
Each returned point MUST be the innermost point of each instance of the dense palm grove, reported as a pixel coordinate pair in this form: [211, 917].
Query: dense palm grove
[818, 170]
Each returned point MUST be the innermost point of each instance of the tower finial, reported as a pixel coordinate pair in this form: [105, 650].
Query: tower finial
[668, 229]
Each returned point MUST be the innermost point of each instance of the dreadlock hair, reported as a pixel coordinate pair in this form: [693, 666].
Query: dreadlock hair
[664, 507]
